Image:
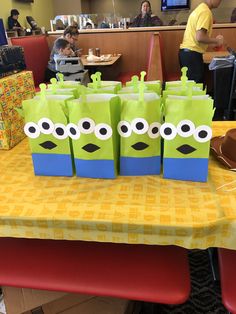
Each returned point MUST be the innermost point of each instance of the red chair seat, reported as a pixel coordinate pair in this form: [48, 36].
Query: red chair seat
[141, 272]
[227, 262]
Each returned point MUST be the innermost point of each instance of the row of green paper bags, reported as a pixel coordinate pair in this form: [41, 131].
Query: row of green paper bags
[101, 135]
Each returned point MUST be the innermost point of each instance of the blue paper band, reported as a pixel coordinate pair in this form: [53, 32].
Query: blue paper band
[52, 165]
[189, 169]
[131, 166]
[104, 169]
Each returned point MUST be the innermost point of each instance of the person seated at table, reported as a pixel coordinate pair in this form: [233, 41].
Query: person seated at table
[146, 18]
[13, 23]
[70, 34]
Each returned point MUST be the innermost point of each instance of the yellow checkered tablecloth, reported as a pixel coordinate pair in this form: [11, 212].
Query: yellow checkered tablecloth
[149, 209]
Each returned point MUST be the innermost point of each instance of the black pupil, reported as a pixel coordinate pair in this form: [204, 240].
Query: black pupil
[73, 131]
[45, 125]
[185, 128]
[203, 134]
[167, 131]
[86, 125]
[139, 126]
[155, 130]
[59, 131]
[103, 131]
[32, 129]
[124, 129]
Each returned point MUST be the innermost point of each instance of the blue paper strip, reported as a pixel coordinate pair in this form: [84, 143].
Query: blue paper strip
[52, 165]
[104, 169]
[131, 166]
[189, 169]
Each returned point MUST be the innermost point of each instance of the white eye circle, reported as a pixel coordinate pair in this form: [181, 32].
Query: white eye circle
[185, 128]
[154, 130]
[202, 134]
[32, 130]
[139, 126]
[103, 131]
[168, 131]
[46, 126]
[86, 125]
[124, 128]
[73, 131]
[60, 131]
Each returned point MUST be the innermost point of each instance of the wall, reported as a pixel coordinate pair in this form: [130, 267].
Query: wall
[41, 10]
[67, 7]
[131, 8]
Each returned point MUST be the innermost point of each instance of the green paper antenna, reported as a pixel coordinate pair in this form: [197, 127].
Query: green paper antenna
[135, 83]
[99, 75]
[184, 77]
[60, 78]
[95, 82]
[43, 88]
[54, 85]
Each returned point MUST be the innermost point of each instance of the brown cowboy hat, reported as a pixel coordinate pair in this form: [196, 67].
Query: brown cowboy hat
[224, 148]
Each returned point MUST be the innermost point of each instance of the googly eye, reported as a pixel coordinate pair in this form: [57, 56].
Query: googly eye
[185, 128]
[46, 126]
[139, 126]
[86, 125]
[32, 130]
[124, 128]
[154, 130]
[103, 131]
[73, 131]
[168, 131]
[202, 134]
[60, 131]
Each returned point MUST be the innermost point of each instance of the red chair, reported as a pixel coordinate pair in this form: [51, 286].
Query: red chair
[137, 272]
[36, 54]
[227, 262]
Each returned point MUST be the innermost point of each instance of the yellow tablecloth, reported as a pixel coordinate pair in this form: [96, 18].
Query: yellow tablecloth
[147, 209]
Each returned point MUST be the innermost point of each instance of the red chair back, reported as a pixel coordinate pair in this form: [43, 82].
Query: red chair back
[36, 54]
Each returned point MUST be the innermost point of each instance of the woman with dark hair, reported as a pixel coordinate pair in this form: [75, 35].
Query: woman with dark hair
[13, 23]
[146, 18]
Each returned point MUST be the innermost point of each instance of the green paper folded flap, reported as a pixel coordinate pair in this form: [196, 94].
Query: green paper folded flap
[97, 83]
[61, 84]
[172, 84]
[154, 86]
[94, 119]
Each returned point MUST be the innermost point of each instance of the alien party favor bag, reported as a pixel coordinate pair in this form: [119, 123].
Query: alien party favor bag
[93, 130]
[139, 130]
[46, 128]
[187, 133]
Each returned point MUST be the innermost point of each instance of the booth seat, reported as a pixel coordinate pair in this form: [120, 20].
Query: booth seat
[155, 63]
[37, 54]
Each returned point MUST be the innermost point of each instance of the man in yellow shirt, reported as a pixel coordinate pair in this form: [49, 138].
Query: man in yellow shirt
[197, 37]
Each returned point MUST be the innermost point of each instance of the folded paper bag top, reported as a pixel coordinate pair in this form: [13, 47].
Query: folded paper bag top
[224, 148]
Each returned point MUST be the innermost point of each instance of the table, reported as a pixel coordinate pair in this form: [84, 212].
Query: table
[113, 59]
[109, 69]
[133, 210]
[209, 55]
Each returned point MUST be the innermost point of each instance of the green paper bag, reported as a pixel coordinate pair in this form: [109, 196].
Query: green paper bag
[140, 152]
[93, 128]
[63, 88]
[46, 127]
[187, 133]
[184, 82]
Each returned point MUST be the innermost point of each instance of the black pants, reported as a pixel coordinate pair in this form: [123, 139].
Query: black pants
[194, 62]
[49, 74]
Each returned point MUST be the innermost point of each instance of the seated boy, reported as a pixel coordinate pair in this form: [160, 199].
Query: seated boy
[66, 63]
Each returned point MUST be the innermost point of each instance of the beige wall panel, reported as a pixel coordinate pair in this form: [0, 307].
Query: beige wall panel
[64, 7]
